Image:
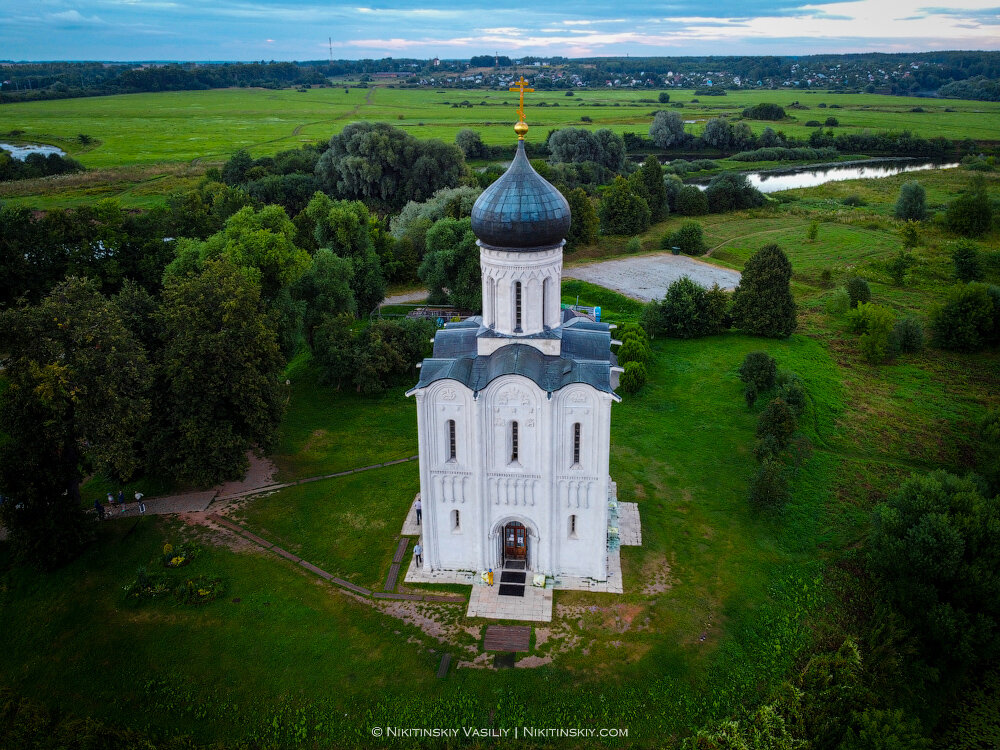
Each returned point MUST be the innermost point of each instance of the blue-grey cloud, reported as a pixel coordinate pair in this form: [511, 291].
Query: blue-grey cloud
[298, 29]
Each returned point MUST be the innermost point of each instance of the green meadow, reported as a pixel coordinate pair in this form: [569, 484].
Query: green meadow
[208, 126]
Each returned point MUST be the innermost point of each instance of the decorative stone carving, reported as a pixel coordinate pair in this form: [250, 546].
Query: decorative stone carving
[449, 394]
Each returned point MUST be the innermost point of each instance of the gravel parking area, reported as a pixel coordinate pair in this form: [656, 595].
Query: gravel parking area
[646, 277]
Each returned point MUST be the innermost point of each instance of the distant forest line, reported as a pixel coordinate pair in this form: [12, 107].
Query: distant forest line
[965, 75]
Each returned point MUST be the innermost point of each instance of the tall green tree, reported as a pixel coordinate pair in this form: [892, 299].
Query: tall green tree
[325, 289]
[647, 182]
[763, 303]
[936, 546]
[77, 395]
[667, 129]
[622, 211]
[385, 166]
[584, 226]
[912, 202]
[971, 213]
[450, 268]
[219, 394]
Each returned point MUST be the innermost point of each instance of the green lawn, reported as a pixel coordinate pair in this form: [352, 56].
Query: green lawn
[211, 125]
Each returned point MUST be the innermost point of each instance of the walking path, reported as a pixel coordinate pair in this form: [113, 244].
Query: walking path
[646, 277]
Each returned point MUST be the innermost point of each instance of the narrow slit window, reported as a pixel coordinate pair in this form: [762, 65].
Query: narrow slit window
[513, 442]
[452, 445]
[456, 521]
[517, 305]
[572, 525]
[576, 443]
[545, 301]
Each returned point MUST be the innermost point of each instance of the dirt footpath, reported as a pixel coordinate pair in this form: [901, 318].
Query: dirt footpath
[646, 277]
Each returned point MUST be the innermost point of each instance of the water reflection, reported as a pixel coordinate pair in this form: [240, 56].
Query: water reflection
[802, 177]
[21, 152]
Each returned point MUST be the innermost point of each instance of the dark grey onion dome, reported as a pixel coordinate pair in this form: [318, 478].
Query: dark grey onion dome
[521, 210]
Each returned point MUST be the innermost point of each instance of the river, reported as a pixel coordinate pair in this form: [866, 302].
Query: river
[776, 180]
[21, 152]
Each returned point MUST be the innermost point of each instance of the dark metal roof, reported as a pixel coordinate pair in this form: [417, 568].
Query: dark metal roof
[521, 210]
[586, 358]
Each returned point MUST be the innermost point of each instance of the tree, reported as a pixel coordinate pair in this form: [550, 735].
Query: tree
[386, 166]
[732, 191]
[584, 226]
[971, 214]
[988, 448]
[876, 324]
[768, 488]
[688, 238]
[471, 143]
[77, 395]
[691, 201]
[686, 311]
[647, 182]
[667, 129]
[935, 544]
[898, 265]
[622, 211]
[763, 303]
[663, 98]
[603, 146]
[759, 370]
[884, 730]
[912, 202]
[858, 291]
[347, 228]
[450, 268]
[718, 133]
[325, 289]
[219, 394]
[764, 111]
[965, 256]
[776, 421]
[966, 321]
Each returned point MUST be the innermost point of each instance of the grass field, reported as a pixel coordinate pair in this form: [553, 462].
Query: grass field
[210, 125]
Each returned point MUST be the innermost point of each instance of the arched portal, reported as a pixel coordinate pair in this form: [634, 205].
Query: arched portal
[514, 541]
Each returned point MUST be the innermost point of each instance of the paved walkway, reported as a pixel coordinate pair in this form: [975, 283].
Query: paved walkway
[646, 277]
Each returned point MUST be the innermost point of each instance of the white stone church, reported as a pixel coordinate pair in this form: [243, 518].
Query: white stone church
[514, 407]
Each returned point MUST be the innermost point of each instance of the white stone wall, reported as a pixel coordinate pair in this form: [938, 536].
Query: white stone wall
[543, 489]
[538, 273]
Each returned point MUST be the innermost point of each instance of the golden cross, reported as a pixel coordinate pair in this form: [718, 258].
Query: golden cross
[521, 86]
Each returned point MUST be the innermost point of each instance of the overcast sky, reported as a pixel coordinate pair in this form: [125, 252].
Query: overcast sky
[298, 30]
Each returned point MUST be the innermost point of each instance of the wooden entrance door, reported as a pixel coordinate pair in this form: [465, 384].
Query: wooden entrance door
[515, 541]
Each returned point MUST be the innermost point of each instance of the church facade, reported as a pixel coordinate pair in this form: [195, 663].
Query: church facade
[514, 406]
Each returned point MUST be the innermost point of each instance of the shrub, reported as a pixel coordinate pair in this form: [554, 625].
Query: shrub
[831, 122]
[912, 202]
[764, 111]
[838, 302]
[633, 378]
[854, 200]
[691, 201]
[769, 488]
[633, 246]
[875, 323]
[965, 256]
[898, 265]
[664, 97]
[858, 291]
[909, 234]
[732, 191]
[971, 214]
[778, 421]
[988, 448]
[688, 237]
[633, 351]
[812, 232]
[791, 390]
[814, 124]
[759, 370]
[763, 303]
[965, 322]
[908, 335]
[686, 311]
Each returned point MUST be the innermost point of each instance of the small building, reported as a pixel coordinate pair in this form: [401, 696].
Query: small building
[514, 406]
